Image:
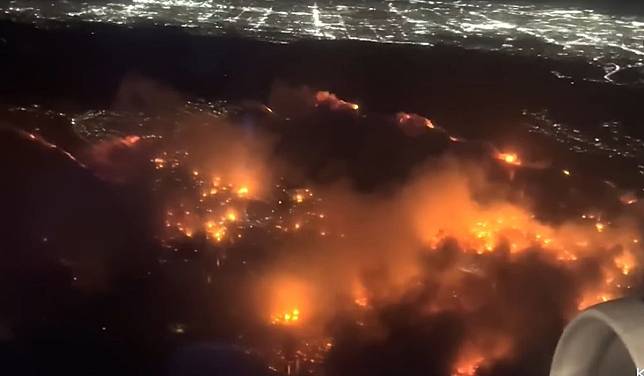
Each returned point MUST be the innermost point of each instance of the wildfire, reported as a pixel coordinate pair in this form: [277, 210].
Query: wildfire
[413, 124]
[628, 198]
[243, 191]
[231, 215]
[301, 195]
[625, 262]
[485, 230]
[287, 298]
[479, 351]
[290, 317]
[520, 232]
[432, 217]
[360, 295]
[130, 140]
[159, 163]
[509, 158]
[468, 366]
[361, 301]
[333, 102]
[215, 231]
[591, 298]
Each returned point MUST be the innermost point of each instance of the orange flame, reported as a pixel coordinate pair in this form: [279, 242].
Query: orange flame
[509, 158]
[333, 102]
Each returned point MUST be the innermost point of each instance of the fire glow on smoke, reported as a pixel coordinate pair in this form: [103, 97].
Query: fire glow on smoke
[433, 237]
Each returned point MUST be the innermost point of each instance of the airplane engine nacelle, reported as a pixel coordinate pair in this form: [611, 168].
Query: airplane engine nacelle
[605, 340]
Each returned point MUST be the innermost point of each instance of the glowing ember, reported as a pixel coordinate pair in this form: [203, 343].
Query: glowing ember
[362, 301]
[333, 102]
[215, 231]
[287, 299]
[159, 163]
[628, 198]
[131, 140]
[509, 158]
[590, 299]
[287, 318]
[231, 215]
[468, 366]
[625, 262]
[242, 191]
[413, 124]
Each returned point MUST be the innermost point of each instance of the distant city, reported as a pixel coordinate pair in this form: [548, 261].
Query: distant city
[611, 40]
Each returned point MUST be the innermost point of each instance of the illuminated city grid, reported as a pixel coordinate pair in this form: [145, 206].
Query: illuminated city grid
[606, 39]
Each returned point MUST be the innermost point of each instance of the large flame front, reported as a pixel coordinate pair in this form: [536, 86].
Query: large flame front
[434, 240]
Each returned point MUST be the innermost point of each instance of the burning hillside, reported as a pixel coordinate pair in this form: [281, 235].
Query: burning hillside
[447, 264]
